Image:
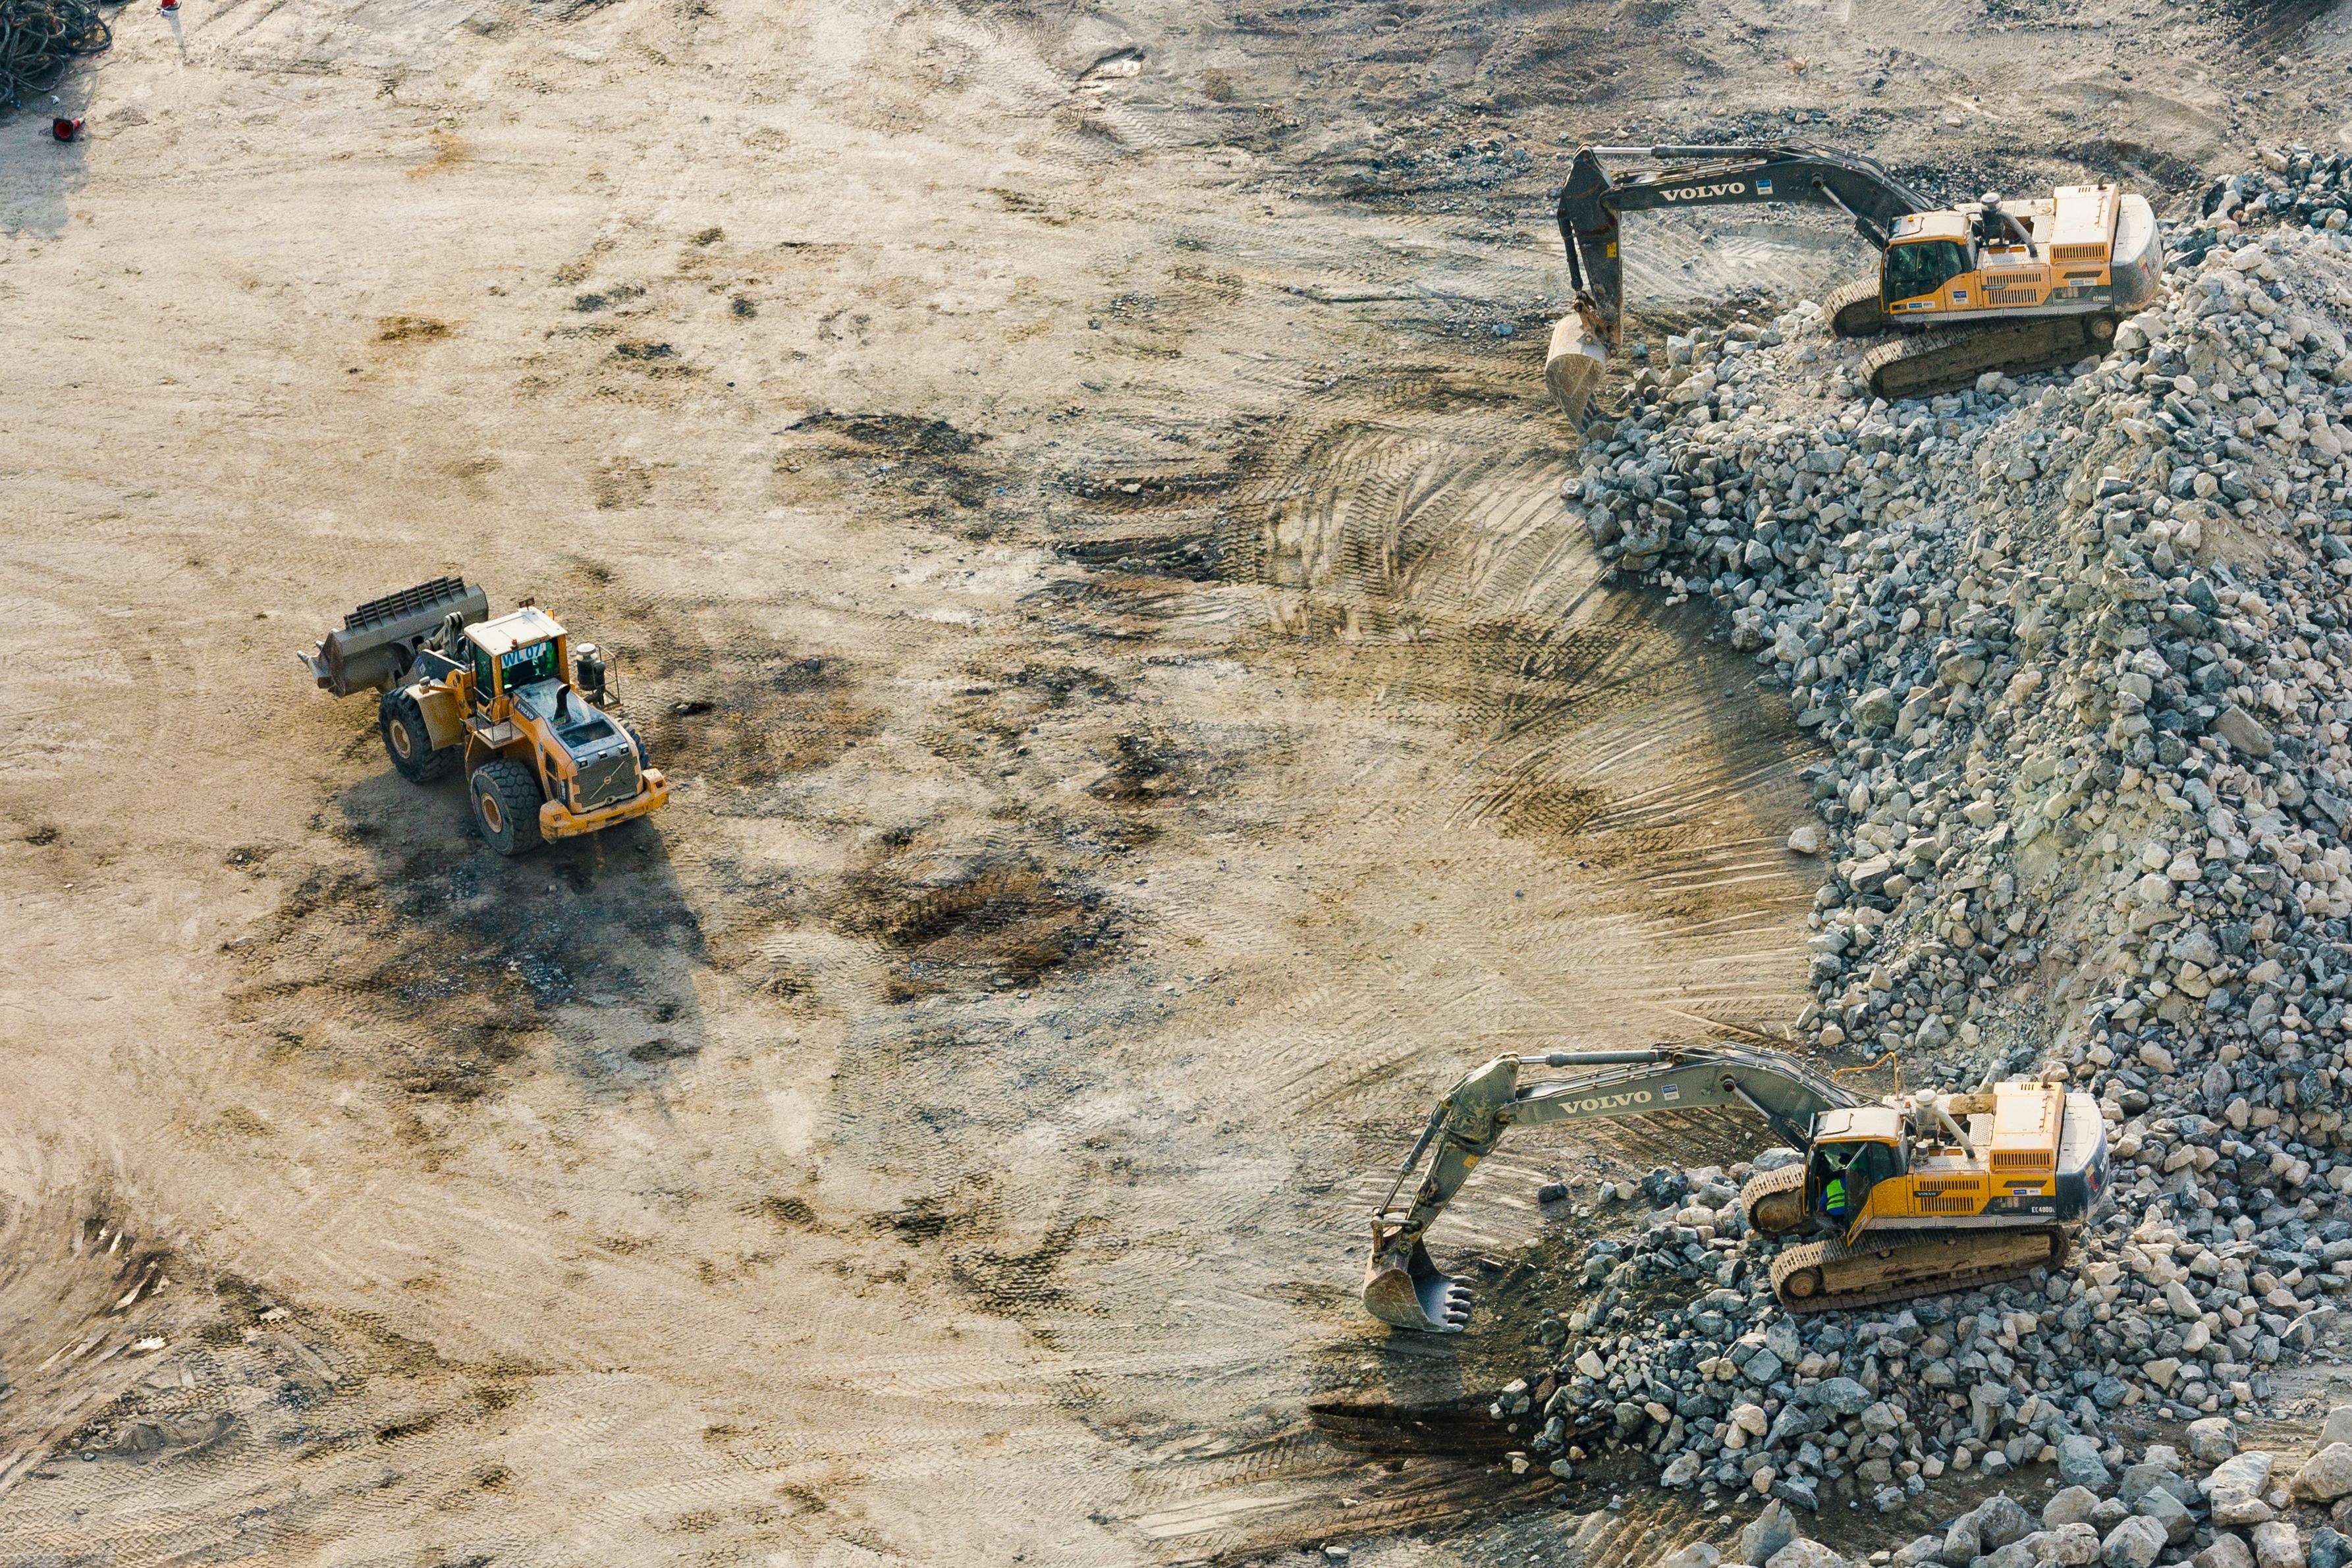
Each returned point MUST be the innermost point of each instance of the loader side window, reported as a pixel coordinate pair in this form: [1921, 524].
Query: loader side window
[1922, 268]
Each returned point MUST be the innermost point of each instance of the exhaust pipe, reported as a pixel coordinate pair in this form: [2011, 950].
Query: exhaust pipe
[1574, 364]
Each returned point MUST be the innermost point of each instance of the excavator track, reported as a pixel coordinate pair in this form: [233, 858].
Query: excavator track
[1951, 360]
[1855, 310]
[1774, 1201]
[1828, 1276]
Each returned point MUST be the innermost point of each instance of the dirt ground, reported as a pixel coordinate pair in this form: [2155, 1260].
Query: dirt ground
[1068, 494]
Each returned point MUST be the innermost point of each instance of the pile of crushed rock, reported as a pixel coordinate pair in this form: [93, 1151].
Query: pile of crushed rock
[2079, 651]
[2218, 1509]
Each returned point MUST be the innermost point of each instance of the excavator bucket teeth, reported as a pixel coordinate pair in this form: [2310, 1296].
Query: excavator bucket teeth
[1574, 365]
[1413, 1294]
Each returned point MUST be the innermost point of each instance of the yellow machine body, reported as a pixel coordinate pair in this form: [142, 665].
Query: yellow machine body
[475, 702]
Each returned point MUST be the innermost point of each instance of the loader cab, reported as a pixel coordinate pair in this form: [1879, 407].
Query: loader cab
[1925, 253]
[514, 652]
[1854, 1150]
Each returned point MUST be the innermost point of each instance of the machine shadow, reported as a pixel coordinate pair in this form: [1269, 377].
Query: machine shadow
[586, 948]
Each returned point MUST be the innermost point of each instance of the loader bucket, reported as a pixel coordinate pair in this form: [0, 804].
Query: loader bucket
[1574, 365]
[1405, 1291]
[376, 641]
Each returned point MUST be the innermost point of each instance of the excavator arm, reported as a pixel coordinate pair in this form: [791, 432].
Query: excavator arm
[1404, 1288]
[1709, 177]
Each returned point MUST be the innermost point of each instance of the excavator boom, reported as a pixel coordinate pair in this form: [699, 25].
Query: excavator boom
[1708, 177]
[1404, 1287]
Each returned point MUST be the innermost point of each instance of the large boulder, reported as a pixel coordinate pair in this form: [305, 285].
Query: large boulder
[2134, 1544]
[2016, 1555]
[1839, 1396]
[2140, 1479]
[2079, 1464]
[2278, 1544]
[1765, 1534]
[2000, 1521]
[2236, 1486]
[2169, 1511]
[2212, 1439]
[1805, 1555]
[2327, 1475]
[2069, 1545]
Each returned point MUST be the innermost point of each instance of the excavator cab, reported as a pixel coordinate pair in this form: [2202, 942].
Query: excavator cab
[1921, 266]
[1854, 1150]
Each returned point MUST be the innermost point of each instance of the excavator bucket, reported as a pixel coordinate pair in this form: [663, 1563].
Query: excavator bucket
[1575, 363]
[1407, 1291]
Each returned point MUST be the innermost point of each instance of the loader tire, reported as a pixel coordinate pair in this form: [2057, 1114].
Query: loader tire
[1855, 310]
[506, 806]
[407, 741]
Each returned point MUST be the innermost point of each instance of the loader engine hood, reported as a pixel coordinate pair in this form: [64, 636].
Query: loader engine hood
[599, 747]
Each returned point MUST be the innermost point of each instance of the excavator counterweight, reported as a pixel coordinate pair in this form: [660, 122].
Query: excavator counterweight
[1911, 1192]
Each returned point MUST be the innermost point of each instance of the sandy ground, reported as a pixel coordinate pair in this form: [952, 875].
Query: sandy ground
[1067, 519]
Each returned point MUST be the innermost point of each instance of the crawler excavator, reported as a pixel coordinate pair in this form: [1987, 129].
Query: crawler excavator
[1906, 1195]
[1990, 285]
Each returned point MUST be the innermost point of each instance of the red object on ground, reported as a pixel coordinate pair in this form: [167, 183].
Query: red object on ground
[65, 130]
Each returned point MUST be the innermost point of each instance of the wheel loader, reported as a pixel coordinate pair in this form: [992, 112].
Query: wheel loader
[1990, 285]
[1906, 1196]
[534, 721]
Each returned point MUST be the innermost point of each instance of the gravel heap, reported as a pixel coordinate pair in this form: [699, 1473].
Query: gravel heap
[2075, 648]
[2221, 1507]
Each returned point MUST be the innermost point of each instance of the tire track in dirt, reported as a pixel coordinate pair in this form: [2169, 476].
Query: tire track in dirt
[1463, 698]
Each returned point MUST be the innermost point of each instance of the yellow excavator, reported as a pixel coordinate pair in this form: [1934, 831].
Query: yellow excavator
[1990, 285]
[1910, 1195]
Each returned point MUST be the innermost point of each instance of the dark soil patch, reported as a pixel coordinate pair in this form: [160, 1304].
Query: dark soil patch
[899, 434]
[999, 919]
